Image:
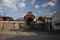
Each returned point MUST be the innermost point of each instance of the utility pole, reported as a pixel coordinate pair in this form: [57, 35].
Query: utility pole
[1, 5]
[48, 17]
[48, 10]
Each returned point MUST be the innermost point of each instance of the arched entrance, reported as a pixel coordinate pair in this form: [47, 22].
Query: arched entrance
[29, 20]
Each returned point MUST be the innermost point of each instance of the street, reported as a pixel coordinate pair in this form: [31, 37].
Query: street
[16, 35]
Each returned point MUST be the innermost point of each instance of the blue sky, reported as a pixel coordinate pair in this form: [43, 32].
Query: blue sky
[18, 8]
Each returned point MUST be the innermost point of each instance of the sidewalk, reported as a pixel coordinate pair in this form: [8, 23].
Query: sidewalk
[18, 33]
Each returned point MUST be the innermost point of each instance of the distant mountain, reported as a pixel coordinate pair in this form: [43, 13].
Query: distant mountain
[19, 19]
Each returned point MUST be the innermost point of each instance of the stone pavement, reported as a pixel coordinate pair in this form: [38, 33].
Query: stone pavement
[17, 35]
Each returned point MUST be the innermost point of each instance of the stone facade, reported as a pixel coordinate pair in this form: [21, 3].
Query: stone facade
[9, 25]
[29, 15]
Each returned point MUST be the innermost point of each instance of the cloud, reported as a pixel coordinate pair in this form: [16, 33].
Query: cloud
[50, 3]
[37, 6]
[23, 0]
[34, 14]
[33, 1]
[39, 11]
[23, 14]
[10, 4]
[22, 4]
[54, 11]
[1, 11]
[1, 8]
[53, 0]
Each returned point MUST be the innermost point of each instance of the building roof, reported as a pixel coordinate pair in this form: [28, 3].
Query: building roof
[6, 17]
